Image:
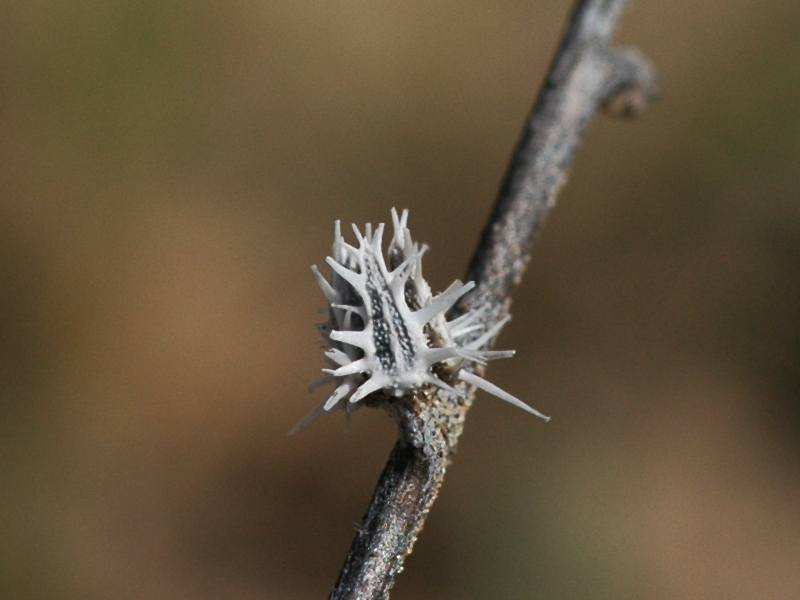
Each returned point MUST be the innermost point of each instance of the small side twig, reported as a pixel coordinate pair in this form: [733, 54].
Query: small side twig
[586, 75]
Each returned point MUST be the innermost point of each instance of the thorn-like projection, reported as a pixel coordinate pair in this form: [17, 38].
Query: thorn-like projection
[486, 386]
[386, 331]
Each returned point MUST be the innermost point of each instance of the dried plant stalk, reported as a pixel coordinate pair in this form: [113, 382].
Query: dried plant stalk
[585, 76]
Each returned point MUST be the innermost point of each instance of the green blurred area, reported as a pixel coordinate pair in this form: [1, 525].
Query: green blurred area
[169, 172]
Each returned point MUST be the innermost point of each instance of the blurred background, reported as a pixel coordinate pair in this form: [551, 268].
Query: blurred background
[170, 170]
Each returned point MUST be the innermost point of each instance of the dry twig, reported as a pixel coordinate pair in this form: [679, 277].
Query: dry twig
[585, 76]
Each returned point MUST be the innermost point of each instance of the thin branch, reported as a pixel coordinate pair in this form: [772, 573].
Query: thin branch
[586, 75]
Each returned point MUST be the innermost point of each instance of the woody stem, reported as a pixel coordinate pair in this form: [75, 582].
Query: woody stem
[585, 76]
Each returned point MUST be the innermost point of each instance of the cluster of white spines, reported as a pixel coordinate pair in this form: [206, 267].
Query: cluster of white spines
[386, 330]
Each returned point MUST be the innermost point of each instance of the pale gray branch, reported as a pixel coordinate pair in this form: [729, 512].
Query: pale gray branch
[586, 75]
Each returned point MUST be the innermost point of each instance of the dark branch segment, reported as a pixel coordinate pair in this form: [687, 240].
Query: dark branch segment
[585, 76]
[405, 491]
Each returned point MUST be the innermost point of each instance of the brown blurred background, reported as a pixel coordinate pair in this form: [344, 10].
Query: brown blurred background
[170, 170]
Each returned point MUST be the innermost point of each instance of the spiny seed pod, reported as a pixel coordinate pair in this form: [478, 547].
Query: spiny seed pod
[385, 329]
